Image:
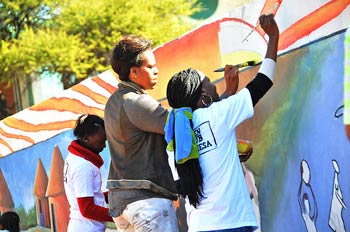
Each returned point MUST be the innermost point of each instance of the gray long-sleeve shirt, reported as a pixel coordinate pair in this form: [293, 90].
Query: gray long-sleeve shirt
[139, 168]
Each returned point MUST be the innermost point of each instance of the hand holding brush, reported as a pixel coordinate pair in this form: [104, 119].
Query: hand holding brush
[241, 65]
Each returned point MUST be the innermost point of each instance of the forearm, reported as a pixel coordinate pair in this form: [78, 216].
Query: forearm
[272, 47]
[223, 96]
[89, 210]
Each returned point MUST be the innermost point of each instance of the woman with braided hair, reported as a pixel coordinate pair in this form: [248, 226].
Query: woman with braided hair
[200, 129]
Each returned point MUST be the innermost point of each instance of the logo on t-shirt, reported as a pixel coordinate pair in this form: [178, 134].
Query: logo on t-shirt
[205, 138]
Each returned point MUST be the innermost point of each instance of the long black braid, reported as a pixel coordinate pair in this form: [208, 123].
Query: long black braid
[184, 90]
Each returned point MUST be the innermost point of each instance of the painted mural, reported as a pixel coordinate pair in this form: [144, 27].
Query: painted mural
[298, 174]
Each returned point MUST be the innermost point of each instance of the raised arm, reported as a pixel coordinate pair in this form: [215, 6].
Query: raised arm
[269, 25]
[263, 80]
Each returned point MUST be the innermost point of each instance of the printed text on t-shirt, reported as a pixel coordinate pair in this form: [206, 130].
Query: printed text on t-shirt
[205, 138]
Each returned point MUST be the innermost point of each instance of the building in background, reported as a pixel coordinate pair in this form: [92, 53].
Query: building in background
[6, 201]
[41, 201]
[59, 206]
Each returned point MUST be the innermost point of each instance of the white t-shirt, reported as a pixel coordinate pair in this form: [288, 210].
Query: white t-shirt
[227, 203]
[82, 179]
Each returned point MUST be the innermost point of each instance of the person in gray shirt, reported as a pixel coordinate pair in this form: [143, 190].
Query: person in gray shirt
[140, 182]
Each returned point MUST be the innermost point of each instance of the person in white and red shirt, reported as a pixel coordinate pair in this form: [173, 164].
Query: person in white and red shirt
[82, 176]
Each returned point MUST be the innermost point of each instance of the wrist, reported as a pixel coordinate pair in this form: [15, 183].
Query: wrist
[224, 95]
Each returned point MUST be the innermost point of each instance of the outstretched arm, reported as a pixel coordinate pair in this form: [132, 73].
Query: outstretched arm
[263, 81]
[269, 25]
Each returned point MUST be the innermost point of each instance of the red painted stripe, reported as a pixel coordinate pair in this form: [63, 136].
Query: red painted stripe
[311, 22]
[110, 88]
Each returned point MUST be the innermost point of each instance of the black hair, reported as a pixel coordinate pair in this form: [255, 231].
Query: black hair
[10, 221]
[128, 53]
[191, 181]
[87, 124]
[184, 90]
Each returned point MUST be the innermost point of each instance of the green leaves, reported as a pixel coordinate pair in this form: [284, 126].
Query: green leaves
[75, 37]
[45, 50]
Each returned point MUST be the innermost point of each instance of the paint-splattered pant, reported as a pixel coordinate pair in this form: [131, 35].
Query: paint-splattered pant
[154, 214]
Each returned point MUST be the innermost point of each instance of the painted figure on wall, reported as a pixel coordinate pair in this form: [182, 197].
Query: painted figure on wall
[336, 221]
[306, 197]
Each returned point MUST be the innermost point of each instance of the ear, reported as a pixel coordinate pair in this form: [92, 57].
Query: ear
[85, 139]
[133, 72]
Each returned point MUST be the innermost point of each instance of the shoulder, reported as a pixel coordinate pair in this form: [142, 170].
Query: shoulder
[226, 110]
[241, 98]
[135, 98]
[78, 163]
[141, 101]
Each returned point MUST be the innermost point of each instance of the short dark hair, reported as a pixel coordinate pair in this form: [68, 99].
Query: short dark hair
[128, 53]
[87, 124]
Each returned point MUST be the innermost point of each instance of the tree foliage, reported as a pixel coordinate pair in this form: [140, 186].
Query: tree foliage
[74, 37]
[15, 15]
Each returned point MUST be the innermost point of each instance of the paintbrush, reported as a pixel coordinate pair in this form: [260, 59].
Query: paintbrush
[246, 38]
[270, 11]
[241, 65]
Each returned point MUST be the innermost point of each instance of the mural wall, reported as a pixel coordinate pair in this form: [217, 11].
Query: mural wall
[298, 173]
[301, 159]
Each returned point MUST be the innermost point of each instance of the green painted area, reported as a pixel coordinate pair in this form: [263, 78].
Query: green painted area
[279, 133]
[208, 8]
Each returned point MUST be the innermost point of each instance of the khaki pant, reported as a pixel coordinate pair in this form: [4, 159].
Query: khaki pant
[154, 215]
